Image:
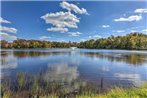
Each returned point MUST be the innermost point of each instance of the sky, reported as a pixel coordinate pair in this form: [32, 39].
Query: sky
[71, 20]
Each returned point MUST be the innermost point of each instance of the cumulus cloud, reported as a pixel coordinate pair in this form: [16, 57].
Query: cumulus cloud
[73, 7]
[44, 37]
[130, 18]
[105, 26]
[140, 11]
[61, 21]
[58, 29]
[8, 29]
[74, 33]
[4, 21]
[5, 36]
[4, 30]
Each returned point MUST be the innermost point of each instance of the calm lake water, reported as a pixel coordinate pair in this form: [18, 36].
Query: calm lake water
[105, 68]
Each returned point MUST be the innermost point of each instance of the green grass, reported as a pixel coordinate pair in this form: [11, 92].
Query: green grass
[140, 92]
[36, 87]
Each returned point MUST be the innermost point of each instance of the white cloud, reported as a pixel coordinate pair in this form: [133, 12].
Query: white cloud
[135, 27]
[105, 26]
[119, 31]
[90, 36]
[4, 30]
[133, 31]
[4, 21]
[73, 7]
[145, 30]
[94, 36]
[74, 33]
[58, 29]
[5, 36]
[130, 18]
[60, 20]
[44, 37]
[83, 39]
[140, 11]
[8, 29]
[97, 36]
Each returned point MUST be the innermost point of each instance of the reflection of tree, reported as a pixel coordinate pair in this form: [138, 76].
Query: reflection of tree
[61, 73]
[130, 58]
[35, 53]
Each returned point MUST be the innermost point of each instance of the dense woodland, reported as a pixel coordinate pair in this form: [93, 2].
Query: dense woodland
[130, 41]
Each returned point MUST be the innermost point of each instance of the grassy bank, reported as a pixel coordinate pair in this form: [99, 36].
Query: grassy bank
[114, 93]
[121, 93]
[30, 86]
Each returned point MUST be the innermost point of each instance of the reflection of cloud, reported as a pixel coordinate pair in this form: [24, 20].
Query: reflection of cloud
[8, 61]
[61, 73]
[134, 78]
[105, 68]
[4, 74]
[126, 75]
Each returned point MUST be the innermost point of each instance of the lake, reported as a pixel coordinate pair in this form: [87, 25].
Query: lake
[102, 68]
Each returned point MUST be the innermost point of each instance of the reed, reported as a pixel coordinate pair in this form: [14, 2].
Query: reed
[28, 86]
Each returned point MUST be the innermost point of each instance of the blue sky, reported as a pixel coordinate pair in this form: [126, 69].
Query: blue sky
[71, 21]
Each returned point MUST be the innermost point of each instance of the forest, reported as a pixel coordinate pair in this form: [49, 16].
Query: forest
[136, 41]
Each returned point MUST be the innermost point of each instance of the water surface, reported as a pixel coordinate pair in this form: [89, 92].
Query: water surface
[104, 68]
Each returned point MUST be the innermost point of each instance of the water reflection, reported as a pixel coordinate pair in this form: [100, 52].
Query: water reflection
[136, 59]
[133, 78]
[36, 54]
[8, 61]
[131, 58]
[64, 66]
[61, 72]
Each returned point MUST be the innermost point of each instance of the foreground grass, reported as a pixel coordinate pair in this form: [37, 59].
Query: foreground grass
[38, 87]
[114, 93]
[121, 93]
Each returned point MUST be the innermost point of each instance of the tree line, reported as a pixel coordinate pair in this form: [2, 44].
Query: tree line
[22, 43]
[130, 41]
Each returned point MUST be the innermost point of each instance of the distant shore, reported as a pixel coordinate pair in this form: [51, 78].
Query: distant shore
[132, 41]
